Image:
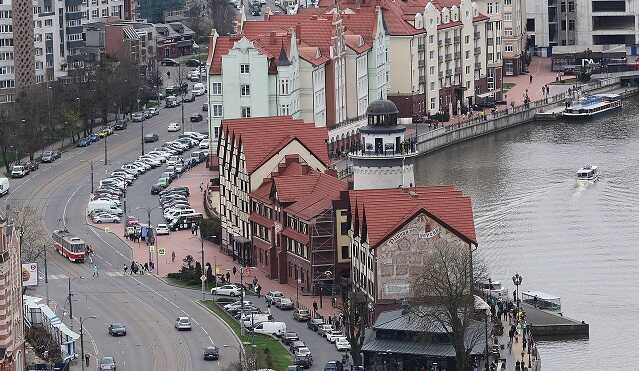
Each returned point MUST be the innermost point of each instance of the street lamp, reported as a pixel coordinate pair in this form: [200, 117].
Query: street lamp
[149, 210]
[203, 277]
[297, 293]
[517, 278]
[82, 338]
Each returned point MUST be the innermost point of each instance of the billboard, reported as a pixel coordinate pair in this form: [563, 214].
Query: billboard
[29, 274]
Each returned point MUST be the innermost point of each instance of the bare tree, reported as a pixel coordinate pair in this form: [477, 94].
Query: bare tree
[223, 16]
[7, 136]
[446, 282]
[355, 314]
[33, 234]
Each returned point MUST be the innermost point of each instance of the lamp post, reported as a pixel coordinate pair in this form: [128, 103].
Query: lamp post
[203, 277]
[148, 210]
[297, 293]
[82, 338]
[517, 278]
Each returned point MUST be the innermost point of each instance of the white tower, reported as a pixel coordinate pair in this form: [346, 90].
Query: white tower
[385, 159]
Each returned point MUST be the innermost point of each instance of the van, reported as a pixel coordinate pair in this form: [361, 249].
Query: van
[4, 186]
[18, 171]
[198, 89]
[103, 205]
[185, 221]
[150, 138]
[271, 328]
[252, 320]
[172, 101]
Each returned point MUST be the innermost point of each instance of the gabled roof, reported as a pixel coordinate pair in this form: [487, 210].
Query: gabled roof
[271, 44]
[222, 47]
[387, 210]
[263, 137]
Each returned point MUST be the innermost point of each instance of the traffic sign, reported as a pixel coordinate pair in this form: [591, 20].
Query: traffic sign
[161, 251]
[151, 248]
[203, 278]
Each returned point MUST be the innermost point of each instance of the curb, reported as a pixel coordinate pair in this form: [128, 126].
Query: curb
[237, 338]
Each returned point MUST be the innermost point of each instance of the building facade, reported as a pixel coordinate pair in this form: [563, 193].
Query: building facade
[391, 228]
[301, 66]
[249, 150]
[293, 226]
[11, 317]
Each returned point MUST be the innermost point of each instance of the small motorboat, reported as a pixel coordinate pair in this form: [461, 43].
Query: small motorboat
[588, 173]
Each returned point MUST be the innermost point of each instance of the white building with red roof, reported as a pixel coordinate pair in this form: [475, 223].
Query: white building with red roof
[391, 228]
[249, 150]
[320, 65]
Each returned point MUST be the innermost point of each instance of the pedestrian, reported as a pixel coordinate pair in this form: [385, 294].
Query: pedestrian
[86, 359]
[258, 289]
[146, 266]
[95, 270]
[151, 265]
[124, 268]
[202, 187]
[531, 79]
[132, 267]
[193, 229]
[173, 257]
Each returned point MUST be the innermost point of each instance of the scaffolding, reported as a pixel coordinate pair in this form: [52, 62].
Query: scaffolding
[322, 245]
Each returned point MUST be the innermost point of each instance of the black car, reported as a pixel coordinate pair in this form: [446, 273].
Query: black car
[334, 366]
[314, 324]
[120, 125]
[205, 107]
[31, 165]
[295, 345]
[117, 329]
[211, 353]
[156, 189]
[290, 337]
[150, 138]
[304, 361]
[196, 117]
[193, 63]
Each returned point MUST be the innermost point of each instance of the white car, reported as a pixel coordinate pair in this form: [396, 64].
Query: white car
[196, 135]
[332, 335]
[228, 290]
[161, 229]
[174, 126]
[342, 344]
[235, 304]
[183, 323]
[105, 218]
[198, 89]
[204, 144]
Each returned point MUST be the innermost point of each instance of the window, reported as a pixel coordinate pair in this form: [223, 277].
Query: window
[507, 2]
[571, 6]
[490, 8]
[284, 86]
[105, 12]
[245, 90]
[508, 16]
[216, 88]
[246, 111]
[244, 68]
[467, 69]
[95, 13]
[216, 109]
[489, 26]
[432, 70]
[432, 103]
[571, 25]
[430, 39]
[345, 252]
[467, 54]
[284, 110]
[498, 40]
[48, 22]
[467, 39]
[508, 48]
[432, 86]
[431, 54]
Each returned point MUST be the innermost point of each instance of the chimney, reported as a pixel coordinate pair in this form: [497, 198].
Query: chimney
[272, 38]
[298, 31]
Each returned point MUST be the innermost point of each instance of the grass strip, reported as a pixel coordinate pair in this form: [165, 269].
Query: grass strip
[270, 353]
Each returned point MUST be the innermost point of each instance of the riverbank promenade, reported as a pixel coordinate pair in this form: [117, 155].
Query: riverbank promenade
[518, 353]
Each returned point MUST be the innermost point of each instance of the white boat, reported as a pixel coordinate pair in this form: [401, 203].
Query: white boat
[494, 289]
[542, 300]
[592, 105]
[588, 173]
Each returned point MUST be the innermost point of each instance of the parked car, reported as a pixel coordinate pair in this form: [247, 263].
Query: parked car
[31, 165]
[294, 368]
[189, 98]
[290, 337]
[303, 357]
[314, 323]
[120, 125]
[106, 218]
[154, 111]
[334, 366]
[236, 303]
[228, 290]
[107, 364]
[296, 344]
[323, 329]
[50, 156]
[161, 229]
[211, 353]
[117, 329]
[285, 304]
[183, 323]
[270, 328]
[150, 138]
[302, 315]
[83, 142]
[332, 335]
[199, 89]
[488, 102]
[18, 171]
[271, 295]
[196, 117]
[138, 116]
[342, 344]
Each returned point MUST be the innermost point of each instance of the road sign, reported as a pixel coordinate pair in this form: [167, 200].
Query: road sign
[151, 248]
[203, 278]
[161, 251]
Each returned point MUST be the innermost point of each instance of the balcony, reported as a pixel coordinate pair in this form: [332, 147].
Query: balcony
[409, 151]
[420, 47]
[457, 40]
[441, 74]
[477, 35]
[421, 63]
[440, 59]
[449, 57]
[477, 51]
[449, 73]
[440, 43]
[448, 41]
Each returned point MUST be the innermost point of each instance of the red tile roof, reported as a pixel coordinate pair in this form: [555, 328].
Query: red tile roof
[222, 47]
[480, 18]
[387, 210]
[269, 44]
[442, 26]
[259, 219]
[300, 237]
[263, 137]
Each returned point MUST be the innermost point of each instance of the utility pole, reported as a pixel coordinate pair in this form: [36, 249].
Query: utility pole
[70, 303]
[203, 278]
[46, 274]
[91, 176]
[182, 92]
[105, 149]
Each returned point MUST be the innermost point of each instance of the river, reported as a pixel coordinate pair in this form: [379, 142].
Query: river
[578, 242]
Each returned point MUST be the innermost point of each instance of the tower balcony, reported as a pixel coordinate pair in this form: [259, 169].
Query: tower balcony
[410, 151]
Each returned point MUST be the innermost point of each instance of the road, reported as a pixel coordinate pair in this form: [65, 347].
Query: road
[147, 306]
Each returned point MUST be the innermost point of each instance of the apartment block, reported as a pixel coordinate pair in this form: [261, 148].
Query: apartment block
[11, 317]
[321, 66]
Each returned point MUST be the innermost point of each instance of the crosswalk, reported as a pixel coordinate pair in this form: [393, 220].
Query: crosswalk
[64, 276]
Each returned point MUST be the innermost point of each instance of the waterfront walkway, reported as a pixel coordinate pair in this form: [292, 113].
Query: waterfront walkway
[520, 354]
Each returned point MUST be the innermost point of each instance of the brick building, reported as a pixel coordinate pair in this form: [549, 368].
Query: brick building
[11, 317]
[249, 151]
[294, 225]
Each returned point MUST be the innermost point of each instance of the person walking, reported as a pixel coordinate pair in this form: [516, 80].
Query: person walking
[124, 268]
[531, 77]
[95, 270]
[173, 257]
[146, 266]
[133, 267]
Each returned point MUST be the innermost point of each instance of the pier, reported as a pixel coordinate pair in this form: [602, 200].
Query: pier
[547, 324]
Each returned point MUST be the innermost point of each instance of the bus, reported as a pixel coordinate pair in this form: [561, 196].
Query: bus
[69, 245]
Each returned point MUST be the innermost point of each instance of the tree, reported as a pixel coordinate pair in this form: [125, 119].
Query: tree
[33, 234]
[7, 136]
[44, 344]
[153, 9]
[223, 16]
[354, 311]
[446, 281]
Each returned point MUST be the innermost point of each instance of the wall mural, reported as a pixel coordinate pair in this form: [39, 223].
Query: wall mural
[401, 257]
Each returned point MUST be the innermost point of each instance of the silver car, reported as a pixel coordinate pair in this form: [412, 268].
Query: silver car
[183, 323]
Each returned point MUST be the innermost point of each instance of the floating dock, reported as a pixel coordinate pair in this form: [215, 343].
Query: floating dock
[547, 324]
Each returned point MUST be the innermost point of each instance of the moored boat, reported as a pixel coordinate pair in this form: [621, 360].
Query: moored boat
[592, 105]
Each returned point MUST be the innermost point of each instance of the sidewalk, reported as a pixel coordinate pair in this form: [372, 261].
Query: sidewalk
[539, 69]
